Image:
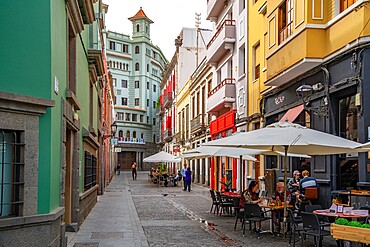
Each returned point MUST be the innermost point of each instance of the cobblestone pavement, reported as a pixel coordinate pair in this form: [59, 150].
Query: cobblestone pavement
[139, 213]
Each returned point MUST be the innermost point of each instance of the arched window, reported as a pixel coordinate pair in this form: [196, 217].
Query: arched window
[134, 134]
[142, 135]
[147, 68]
[154, 138]
[120, 133]
[137, 28]
[128, 134]
[120, 65]
[137, 67]
[146, 28]
[137, 49]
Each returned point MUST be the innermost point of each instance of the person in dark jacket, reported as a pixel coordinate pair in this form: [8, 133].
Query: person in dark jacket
[187, 180]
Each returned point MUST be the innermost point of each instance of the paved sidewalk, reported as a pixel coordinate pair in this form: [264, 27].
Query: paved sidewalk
[139, 213]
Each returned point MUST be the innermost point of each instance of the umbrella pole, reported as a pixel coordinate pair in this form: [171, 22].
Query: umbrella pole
[240, 174]
[285, 187]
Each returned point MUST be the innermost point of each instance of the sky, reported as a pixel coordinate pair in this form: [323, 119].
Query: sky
[169, 17]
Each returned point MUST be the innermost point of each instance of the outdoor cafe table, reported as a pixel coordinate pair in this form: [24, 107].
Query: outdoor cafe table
[278, 209]
[324, 212]
[231, 194]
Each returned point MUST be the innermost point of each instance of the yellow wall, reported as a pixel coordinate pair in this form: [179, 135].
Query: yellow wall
[316, 37]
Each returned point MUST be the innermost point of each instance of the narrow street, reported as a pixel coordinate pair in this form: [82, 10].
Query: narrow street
[139, 213]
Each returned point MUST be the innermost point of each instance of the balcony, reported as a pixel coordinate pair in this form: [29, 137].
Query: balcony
[222, 41]
[215, 8]
[167, 135]
[197, 123]
[167, 100]
[297, 50]
[161, 111]
[222, 96]
[130, 140]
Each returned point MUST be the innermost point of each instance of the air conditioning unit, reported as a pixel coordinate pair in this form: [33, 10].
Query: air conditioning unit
[348, 155]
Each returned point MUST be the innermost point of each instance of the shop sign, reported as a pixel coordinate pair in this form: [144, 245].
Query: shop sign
[279, 100]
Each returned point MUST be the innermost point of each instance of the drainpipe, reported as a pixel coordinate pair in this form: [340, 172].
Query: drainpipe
[334, 170]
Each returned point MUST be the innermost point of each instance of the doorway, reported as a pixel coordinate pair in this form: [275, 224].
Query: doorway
[68, 193]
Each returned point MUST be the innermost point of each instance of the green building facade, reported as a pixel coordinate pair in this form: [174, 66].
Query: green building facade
[50, 120]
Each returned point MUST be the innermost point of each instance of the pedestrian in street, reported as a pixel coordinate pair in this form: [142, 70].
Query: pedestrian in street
[134, 170]
[118, 169]
[187, 180]
[183, 173]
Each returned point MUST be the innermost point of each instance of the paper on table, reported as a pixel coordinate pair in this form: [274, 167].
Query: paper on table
[333, 208]
[360, 212]
[347, 210]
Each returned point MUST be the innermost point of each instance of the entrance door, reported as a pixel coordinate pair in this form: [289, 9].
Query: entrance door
[68, 177]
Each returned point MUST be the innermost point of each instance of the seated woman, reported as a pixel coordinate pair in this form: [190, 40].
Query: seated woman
[251, 196]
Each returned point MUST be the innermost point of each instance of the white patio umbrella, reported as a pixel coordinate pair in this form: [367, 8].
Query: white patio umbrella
[239, 153]
[162, 157]
[289, 137]
[365, 145]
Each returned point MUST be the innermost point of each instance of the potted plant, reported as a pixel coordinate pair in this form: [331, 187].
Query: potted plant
[350, 231]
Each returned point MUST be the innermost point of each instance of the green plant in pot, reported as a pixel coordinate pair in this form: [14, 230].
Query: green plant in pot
[228, 184]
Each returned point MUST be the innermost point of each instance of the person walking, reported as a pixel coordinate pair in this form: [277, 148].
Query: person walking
[187, 180]
[183, 173]
[134, 170]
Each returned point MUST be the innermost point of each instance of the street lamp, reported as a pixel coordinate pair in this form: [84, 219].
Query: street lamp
[305, 92]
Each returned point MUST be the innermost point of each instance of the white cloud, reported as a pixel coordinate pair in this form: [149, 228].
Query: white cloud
[169, 17]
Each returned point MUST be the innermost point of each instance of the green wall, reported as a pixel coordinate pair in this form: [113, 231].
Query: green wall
[34, 49]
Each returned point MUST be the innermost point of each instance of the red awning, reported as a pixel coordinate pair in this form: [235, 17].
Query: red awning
[292, 114]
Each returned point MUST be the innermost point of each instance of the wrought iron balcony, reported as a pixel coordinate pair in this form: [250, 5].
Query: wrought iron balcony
[197, 123]
[167, 135]
[222, 96]
[167, 100]
[222, 41]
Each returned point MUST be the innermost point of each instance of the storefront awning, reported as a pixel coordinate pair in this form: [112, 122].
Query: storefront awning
[292, 114]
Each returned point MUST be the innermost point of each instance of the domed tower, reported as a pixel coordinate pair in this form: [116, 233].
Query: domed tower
[140, 25]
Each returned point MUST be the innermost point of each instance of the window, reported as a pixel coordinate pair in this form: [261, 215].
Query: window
[147, 85]
[137, 102]
[142, 135]
[91, 105]
[120, 133]
[134, 117]
[137, 28]
[153, 121]
[137, 84]
[147, 68]
[71, 59]
[256, 61]
[137, 49]
[154, 88]
[125, 48]
[124, 101]
[89, 171]
[141, 118]
[147, 102]
[285, 20]
[147, 119]
[124, 83]
[12, 180]
[146, 29]
[118, 92]
[137, 67]
[120, 116]
[134, 134]
[114, 82]
[241, 5]
[154, 103]
[112, 45]
[128, 117]
[271, 162]
[128, 134]
[344, 4]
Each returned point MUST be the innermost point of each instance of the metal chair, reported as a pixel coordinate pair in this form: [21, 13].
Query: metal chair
[224, 205]
[312, 226]
[324, 220]
[238, 212]
[294, 222]
[253, 213]
[215, 202]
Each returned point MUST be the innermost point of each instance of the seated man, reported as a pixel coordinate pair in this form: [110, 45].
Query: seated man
[280, 200]
[307, 182]
[177, 178]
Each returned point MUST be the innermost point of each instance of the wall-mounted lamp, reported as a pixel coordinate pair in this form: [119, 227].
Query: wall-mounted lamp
[305, 92]
[113, 130]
